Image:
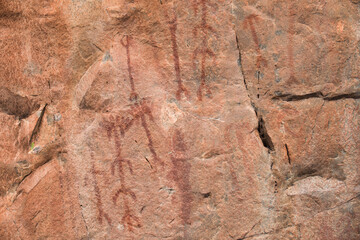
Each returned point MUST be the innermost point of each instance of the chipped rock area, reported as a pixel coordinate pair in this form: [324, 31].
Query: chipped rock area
[168, 119]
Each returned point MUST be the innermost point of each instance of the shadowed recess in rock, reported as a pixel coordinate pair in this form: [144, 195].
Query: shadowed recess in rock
[14, 104]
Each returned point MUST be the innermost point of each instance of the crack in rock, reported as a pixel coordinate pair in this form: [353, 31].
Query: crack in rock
[328, 97]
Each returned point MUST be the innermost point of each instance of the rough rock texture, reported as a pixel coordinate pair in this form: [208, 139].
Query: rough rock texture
[168, 119]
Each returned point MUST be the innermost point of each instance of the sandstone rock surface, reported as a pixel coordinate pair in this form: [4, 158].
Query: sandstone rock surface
[168, 119]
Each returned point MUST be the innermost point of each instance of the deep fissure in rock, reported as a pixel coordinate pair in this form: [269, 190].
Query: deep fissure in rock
[333, 97]
[288, 153]
[264, 136]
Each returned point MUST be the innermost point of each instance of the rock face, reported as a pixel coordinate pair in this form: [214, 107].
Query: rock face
[200, 119]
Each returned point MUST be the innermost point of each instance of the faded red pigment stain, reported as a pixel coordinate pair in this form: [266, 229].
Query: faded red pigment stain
[349, 229]
[129, 219]
[173, 28]
[181, 174]
[116, 128]
[138, 111]
[139, 108]
[240, 141]
[66, 183]
[99, 205]
[229, 141]
[290, 48]
[249, 23]
[325, 231]
[133, 94]
[203, 50]
[234, 179]
[248, 163]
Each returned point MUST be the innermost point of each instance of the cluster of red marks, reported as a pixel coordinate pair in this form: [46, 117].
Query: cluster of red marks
[101, 214]
[235, 138]
[173, 28]
[116, 127]
[181, 174]
[249, 23]
[133, 94]
[234, 179]
[138, 110]
[291, 33]
[128, 218]
[203, 50]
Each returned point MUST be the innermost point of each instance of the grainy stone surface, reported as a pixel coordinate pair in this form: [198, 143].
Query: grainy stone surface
[201, 119]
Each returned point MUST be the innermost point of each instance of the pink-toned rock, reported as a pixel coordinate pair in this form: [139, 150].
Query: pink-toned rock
[170, 119]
